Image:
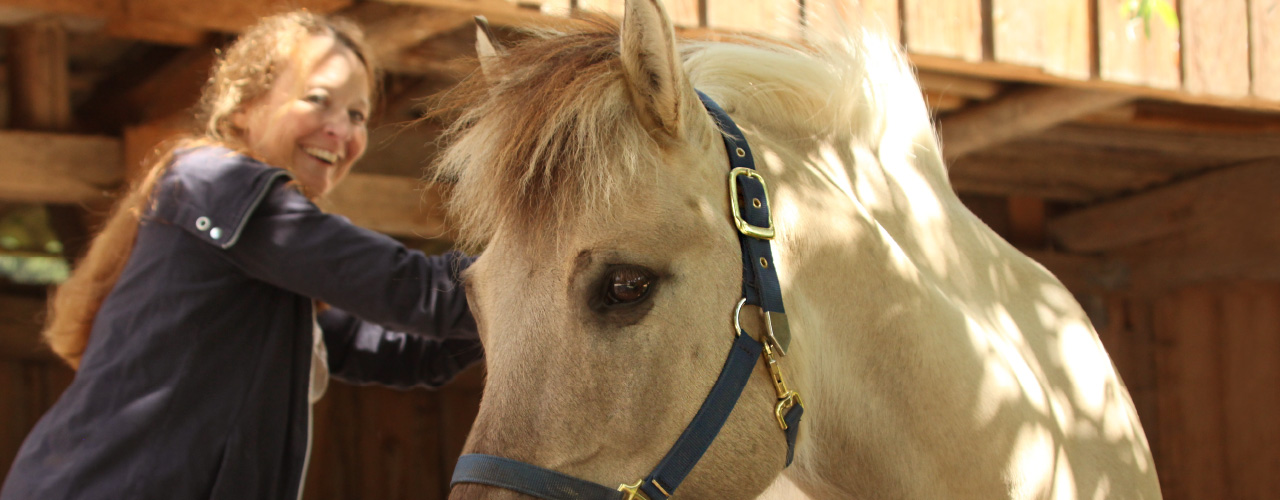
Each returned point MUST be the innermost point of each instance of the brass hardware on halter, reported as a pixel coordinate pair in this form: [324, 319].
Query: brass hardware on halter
[786, 398]
[632, 491]
[763, 233]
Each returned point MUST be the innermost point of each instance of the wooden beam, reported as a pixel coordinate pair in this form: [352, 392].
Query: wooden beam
[1163, 116]
[1082, 273]
[39, 82]
[1264, 45]
[946, 83]
[947, 28]
[1015, 73]
[1018, 114]
[1215, 47]
[1218, 226]
[1226, 146]
[399, 206]
[58, 168]
[1048, 167]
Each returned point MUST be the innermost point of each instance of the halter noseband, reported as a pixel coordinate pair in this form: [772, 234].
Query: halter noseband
[749, 199]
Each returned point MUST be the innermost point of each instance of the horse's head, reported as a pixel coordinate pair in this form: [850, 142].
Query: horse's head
[595, 181]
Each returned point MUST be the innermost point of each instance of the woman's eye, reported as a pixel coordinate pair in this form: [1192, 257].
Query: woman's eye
[320, 99]
[627, 285]
[357, 117]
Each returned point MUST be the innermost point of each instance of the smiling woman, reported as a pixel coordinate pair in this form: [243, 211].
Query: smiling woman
[195, 320]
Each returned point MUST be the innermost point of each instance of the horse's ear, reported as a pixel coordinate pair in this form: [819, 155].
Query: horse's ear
[487, 47]
[652, 65]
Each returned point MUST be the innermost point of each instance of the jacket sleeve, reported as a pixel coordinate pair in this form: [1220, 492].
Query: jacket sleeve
[362, 352]
[288, 242]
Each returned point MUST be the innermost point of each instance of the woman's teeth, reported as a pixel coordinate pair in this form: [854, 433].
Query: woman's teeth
[323, 155]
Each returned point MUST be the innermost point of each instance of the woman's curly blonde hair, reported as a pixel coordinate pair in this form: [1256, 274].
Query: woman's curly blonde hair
[243, 73]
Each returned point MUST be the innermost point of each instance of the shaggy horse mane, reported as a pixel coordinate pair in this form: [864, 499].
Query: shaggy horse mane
[547, 130]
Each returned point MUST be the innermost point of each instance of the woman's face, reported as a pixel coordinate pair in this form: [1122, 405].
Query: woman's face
[312, 124]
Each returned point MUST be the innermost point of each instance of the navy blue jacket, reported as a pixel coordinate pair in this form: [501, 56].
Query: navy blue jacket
[194, 383]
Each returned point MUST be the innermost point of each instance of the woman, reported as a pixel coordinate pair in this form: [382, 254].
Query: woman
[193, 319]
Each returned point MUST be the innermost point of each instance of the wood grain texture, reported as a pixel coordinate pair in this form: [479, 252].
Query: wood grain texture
[1264, 45]
[1127, 55]
[683, 13]
[59, 168]
[1069, 33]
[949, 28]
[779, 18]
[1018, 114]
[1018, 31]
[1215, 47]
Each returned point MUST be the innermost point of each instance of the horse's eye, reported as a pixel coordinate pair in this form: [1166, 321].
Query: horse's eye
[626, 285]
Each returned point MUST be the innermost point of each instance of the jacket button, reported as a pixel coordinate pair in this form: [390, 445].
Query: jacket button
[215, 233]
[203, 223]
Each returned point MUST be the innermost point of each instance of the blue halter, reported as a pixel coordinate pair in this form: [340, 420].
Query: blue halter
[749, 198]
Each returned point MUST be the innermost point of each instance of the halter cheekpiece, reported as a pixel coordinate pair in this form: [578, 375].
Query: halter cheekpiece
[749, 199]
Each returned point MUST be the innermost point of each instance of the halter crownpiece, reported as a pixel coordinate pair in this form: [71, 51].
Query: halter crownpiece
[749, 199]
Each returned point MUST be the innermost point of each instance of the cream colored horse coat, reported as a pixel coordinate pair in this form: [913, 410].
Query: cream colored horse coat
[935, 360]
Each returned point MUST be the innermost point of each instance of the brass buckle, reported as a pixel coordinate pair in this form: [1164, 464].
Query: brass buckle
[763, 233]
[632, 491]
[791, 399]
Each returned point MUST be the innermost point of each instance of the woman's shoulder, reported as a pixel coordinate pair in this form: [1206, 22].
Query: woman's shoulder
[211, 163]
[211, 191]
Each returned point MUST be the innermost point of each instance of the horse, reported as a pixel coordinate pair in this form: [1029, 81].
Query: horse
[932, 359]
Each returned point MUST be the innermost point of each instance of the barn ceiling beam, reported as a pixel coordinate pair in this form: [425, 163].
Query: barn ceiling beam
[75, 169]
[41, 167]
[1220, 225]
[1017, 114]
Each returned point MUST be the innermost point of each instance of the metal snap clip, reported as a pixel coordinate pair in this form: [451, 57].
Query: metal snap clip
[203, 223]
[215, 233]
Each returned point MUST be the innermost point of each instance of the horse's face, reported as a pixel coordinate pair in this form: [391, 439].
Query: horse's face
[603, 340]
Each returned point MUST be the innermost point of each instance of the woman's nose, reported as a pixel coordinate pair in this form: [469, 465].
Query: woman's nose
[339, 125]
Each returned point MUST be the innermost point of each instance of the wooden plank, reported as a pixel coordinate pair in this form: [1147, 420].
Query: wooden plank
[1218, 226]
[1189, 360]
[833, 19]
[1225, 145]
[1018, 114]
[941, 102]
[1251, 363]
[1081, 274]
[39, 80]
[683, 13]
[779, 18]
[1215, 47]
[1264, 32]
[967, 87]
[1015, 73]
[375, 442]
[550, 7]
[400, 206]
[1128, 55]
[1018, 31]
[59, 168]
[1068, 38]
[948, 28]
[1047, 161]
[224, 15]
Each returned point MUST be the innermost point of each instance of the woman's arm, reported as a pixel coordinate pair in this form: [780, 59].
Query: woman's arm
[363, 352]
[290, 243]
